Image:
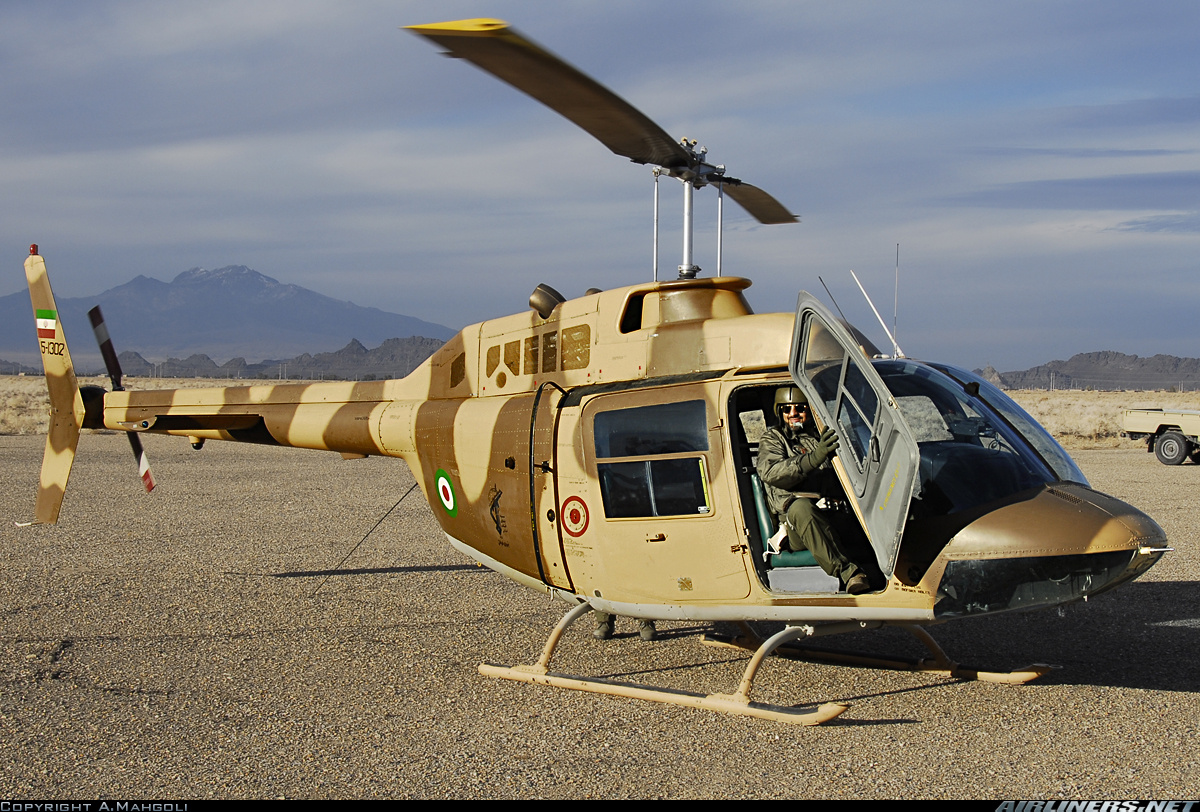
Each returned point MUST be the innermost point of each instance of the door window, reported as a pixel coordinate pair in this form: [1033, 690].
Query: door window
[833, 371]
[649, 460]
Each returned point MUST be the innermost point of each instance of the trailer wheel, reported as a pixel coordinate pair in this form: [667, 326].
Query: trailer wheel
[1171, 448]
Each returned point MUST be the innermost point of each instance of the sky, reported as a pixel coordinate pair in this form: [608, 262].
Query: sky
[1038, 163]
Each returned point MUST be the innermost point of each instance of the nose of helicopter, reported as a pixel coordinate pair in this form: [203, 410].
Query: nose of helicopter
[1063, 543]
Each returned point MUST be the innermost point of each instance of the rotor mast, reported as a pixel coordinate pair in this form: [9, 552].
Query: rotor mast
[698, 175]
[494, 46]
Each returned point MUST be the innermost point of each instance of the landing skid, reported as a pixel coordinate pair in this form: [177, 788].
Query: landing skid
[737, 703]
[938, 664]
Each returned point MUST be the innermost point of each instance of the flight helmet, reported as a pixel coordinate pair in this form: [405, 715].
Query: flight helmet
[786, 396]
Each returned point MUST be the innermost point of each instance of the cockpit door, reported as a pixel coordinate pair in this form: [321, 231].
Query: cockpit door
[878, 460]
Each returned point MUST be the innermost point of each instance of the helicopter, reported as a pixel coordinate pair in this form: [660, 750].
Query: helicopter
[602, 448]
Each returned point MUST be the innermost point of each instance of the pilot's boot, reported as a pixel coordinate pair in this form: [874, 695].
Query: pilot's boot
[809, 530]
[646, 630]
[604, 625]
[858, 584]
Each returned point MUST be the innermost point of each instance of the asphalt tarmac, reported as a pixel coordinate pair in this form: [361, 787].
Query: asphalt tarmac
[193, 644]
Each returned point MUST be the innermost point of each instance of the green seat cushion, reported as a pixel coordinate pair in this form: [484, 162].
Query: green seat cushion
[788, 558]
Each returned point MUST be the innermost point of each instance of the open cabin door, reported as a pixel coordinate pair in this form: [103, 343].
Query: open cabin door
[878, 459]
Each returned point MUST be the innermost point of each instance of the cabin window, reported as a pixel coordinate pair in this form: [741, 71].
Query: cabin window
[512, 357]
[1033, 433]
[664, 428]
[549, 352]
[631, 319]
[576, 347]
[649, 462]
[493, 359]
[458, 369]
[531, 355]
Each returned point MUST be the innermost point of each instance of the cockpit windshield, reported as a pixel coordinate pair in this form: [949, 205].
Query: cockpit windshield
[1051, 452]
[976, 444]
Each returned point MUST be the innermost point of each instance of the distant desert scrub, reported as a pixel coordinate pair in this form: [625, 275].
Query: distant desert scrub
[24, 406]
[1092, 419]
[1076, 418]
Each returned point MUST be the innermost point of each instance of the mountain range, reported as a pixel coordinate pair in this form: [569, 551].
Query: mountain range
[394, 358]
[1103, 370]
[292, 332]
[228, 312]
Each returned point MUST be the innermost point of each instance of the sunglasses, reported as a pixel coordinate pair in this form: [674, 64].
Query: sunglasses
[788, 408]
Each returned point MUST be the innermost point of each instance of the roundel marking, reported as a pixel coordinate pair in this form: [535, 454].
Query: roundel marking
[445, 492]
[574, 515]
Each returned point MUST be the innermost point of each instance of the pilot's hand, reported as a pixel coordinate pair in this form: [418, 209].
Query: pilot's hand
[826, 446]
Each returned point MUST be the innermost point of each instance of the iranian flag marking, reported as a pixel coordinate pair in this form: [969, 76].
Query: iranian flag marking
[47, 323]
[445, 492]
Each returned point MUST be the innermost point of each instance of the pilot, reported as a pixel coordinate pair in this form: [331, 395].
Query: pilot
[791, 458]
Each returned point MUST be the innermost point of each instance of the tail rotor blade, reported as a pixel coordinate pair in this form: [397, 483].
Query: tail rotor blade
[114, 373]
[106, 348]
[143, 461]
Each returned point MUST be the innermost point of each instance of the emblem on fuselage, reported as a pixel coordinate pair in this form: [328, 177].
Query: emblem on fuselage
[445, 492]
[497, 517]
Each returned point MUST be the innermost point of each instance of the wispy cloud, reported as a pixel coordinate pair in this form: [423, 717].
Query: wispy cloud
[1148, 191]
[1185, 223]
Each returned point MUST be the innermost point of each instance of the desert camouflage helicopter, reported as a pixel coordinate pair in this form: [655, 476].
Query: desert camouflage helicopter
[602, 448]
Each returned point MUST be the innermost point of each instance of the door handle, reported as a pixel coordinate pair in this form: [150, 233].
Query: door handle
[657, 537]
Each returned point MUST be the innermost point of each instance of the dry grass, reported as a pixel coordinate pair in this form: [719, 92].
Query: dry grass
[1077, 419]
[24, 406]
[1086, 419]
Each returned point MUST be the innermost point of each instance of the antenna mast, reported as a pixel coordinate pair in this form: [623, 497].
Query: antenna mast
[896, 299]
[896, 351]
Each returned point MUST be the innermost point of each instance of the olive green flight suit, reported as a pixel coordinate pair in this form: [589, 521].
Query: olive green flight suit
[784, 468]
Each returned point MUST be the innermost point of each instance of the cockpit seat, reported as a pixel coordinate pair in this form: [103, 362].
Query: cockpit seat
[788, 570]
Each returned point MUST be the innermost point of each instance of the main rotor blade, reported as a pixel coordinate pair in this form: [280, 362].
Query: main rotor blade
[497, 48]
[762, 206]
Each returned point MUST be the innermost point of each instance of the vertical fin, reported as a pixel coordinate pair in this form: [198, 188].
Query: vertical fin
[66, 404]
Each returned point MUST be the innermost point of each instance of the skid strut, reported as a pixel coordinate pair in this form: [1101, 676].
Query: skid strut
[939, 663]
[738, 703]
